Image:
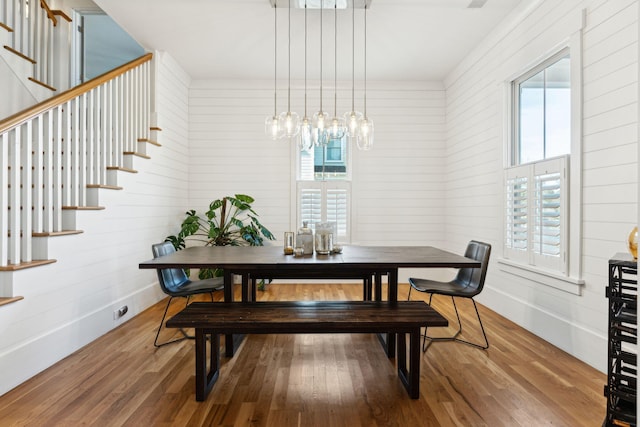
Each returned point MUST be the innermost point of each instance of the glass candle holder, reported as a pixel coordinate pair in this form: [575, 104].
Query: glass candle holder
[288, 242]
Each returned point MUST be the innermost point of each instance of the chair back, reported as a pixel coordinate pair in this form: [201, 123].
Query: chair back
[473, 278]
[170, 279]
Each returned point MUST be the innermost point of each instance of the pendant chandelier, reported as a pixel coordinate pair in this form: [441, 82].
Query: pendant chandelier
[320, 129]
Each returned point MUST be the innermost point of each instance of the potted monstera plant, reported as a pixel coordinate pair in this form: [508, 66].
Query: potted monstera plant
[229, 221]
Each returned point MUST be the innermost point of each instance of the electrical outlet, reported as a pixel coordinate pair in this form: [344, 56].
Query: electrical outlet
[120, 312]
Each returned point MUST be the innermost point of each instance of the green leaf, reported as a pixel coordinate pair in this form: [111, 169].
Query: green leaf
[245, 198]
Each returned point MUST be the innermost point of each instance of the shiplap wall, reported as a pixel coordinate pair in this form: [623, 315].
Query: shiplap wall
[71, 302]
[475, 151]
[397, 186]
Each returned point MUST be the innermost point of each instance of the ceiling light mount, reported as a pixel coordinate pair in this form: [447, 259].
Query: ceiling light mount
[322, 4]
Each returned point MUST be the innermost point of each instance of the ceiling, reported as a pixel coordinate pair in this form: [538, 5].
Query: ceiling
[419, 40]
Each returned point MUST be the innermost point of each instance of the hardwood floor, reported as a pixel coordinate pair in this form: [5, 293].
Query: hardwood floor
[313, 380]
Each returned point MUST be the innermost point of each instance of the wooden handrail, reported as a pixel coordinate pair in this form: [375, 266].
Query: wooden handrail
[50, 15]
[48, 104]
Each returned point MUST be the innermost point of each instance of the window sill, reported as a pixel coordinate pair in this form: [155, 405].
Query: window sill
[547, 278]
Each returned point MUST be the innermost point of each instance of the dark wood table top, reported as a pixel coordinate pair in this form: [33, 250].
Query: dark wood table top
[251, 257]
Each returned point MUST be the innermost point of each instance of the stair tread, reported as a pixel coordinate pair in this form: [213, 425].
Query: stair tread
[104, 186]
[83, 208]
[43, 84]
[57, 233]
[133, 153]
[9, 300]
[30, 264]
[20, 54]
[120, 168]
[150, 141]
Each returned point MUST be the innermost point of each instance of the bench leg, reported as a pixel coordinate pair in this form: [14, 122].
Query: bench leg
[205, 379]
[411, 378]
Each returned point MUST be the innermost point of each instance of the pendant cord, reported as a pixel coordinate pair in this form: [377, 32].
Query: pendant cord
[335, 60]
[305, 59]
[289, 65]
[275, 59]
[353, 56]
[365, 61]
[321, 13]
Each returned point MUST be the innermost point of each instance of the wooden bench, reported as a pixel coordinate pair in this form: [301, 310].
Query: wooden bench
[305, 317]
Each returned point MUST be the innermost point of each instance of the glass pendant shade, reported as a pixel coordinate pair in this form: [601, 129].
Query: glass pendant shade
[320, 124]
[352, 123]
[305, 137]
[289, 123]
[336, 129]
[272, 127]
[365, 136]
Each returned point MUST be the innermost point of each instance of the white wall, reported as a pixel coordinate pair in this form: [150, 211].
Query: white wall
[71, 302]
[397, 186]
[475, 153]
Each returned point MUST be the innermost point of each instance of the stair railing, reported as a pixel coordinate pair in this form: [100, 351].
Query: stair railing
[51, 152]
[31, 24]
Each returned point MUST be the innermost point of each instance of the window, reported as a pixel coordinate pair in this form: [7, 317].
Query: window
[536, 182]
[323, 187]
[542, 102]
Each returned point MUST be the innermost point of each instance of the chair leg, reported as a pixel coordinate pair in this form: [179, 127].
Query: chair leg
[454, 337]
[184, 334]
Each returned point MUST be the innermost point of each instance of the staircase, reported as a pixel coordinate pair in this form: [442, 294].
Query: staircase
[30, 41]
[59, 155]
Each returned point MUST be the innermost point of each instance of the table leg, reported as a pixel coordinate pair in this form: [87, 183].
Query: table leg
[231, 342]
[378, 286]
[411, 378]
[206, 378]
[246, 292]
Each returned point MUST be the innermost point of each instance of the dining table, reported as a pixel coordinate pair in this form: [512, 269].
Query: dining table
[269, 262]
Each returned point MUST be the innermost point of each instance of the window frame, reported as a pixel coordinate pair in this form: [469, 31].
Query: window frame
[570, 281]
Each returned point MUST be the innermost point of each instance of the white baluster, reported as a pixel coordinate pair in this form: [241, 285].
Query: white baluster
[117, 125]
[4, 198]
[73, 152]
[94, 141]
[38, 173]
[108, 125]
[82, 151]
[65, 142]
[14, 196]
[90, 138]
[26, 213]
[47, 173]
[56, 146]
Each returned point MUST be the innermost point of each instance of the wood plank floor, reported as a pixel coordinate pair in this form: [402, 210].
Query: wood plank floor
[313, 380]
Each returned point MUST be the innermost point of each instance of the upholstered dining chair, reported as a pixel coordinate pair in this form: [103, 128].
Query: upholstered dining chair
[175, 283]
[467, 284]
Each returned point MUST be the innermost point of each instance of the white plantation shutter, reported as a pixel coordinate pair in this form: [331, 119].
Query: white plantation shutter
[536, 215]
[310, 205]
[325, 201]
[338, 211]
[517, 215]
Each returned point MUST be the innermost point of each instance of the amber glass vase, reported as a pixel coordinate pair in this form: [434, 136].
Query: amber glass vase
[633, 242]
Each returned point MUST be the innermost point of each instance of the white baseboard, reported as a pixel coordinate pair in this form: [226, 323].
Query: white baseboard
[28, 359]
[586, 345]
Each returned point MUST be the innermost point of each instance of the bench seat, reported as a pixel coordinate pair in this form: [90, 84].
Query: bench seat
[293, 317]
